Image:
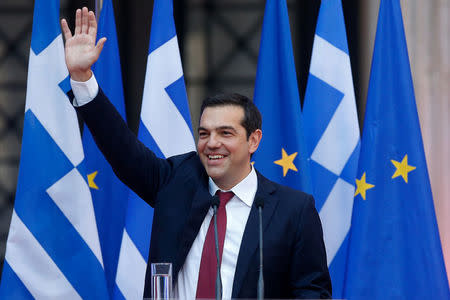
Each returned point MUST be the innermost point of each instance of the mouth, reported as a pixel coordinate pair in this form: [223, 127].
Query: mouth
[215, 156]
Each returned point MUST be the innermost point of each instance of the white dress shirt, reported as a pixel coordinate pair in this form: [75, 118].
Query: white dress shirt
[84, 91]
[238, 210]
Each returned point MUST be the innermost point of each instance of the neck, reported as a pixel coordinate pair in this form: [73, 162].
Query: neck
[226, 185]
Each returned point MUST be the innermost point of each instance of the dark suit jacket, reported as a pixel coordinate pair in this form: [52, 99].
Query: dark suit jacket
[294, 253]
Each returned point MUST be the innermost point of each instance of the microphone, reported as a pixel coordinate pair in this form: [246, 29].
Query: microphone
[215, 205]
[259, 202]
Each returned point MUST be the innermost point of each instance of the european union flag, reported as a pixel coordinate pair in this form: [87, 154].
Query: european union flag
[332, 135]
[110, 195]
[281, 155]
[394, 250]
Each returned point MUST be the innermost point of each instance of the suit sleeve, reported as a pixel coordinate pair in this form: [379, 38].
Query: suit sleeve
[310, 278]
[131, 161]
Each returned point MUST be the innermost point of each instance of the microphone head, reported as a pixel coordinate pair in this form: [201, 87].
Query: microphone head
[215, 201]
[259, 202]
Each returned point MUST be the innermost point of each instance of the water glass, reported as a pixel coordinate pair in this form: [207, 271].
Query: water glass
[161, 281]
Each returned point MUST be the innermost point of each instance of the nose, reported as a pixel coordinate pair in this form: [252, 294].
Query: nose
[213, 141]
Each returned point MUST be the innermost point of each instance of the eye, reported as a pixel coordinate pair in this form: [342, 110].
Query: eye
[202, 134]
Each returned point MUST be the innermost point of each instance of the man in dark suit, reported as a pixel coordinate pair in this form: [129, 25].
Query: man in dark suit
[180, 189]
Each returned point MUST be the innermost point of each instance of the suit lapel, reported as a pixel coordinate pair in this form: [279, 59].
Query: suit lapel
[200, 205]
[250, 240]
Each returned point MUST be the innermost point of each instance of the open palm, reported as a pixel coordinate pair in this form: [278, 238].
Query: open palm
[81, 52]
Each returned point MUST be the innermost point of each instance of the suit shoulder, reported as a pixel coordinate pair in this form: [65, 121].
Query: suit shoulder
[288, 190]
[181, 158]
[289, 196]
[185, 158]
[295, 197]
[189, 161]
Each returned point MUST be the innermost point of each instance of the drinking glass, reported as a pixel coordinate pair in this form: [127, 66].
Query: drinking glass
[161, 281]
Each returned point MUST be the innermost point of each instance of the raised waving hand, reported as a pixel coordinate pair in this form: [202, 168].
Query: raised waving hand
[81, 52]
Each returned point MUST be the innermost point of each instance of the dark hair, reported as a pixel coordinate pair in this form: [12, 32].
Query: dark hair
[252, 117]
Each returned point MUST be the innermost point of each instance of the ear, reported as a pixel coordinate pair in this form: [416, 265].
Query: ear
[254, 139]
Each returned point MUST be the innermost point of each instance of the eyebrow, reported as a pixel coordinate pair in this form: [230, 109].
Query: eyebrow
[219, 128]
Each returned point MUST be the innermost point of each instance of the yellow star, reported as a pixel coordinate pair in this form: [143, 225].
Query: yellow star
[362, 186]
[287, 162]
[91, 178]
[402, 168]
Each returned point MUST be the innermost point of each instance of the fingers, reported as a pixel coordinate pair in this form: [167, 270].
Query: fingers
[99, 47]
[78, 21]
[92, 31]
[65, 29]
[84, 20]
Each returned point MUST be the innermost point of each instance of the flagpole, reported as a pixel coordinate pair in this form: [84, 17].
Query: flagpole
[98, 8]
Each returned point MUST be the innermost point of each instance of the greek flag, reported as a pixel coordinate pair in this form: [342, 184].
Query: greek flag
[53, 249]
[332, 135]
[109, 194]
[165, 128]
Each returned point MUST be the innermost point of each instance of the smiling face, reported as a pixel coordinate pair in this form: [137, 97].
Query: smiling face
[223, 146]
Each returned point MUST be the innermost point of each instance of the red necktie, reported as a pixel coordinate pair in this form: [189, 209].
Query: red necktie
[208, 265]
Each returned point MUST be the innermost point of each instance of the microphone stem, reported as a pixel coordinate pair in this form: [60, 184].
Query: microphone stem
[218, 278]
[260, 292]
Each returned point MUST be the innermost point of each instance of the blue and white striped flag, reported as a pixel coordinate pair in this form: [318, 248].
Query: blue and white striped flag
[165, 128]
[109, 194]
[332, 135]
[53, 249]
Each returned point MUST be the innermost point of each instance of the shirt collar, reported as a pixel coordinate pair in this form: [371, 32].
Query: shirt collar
[244, 190]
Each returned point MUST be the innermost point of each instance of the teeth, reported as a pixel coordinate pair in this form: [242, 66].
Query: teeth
[215, 156]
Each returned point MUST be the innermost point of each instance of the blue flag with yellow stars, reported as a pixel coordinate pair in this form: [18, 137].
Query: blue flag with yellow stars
[281, 156]
[109, 194]
[394, 251]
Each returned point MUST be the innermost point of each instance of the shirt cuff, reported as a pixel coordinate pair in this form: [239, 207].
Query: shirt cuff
[84, 92]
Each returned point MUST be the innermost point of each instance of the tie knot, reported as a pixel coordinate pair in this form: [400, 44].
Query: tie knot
[224, 197]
